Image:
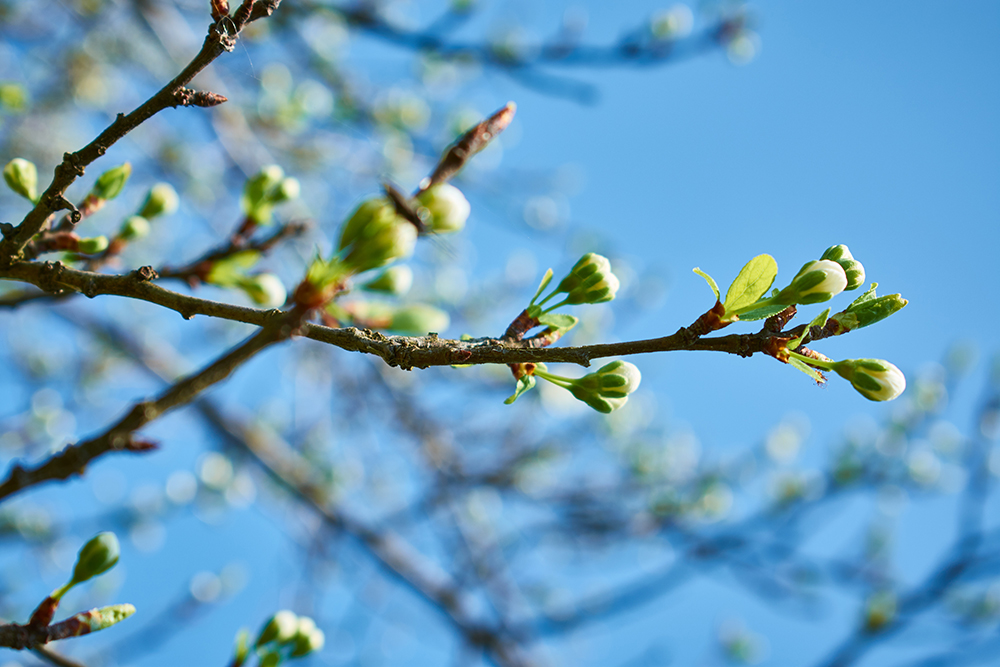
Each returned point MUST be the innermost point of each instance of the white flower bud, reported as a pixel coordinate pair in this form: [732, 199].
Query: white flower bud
[446, 206]
[875, 379]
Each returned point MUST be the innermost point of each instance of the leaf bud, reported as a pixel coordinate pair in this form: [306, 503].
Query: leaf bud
[93, 245]
[875, 379]
[279, 628]
[866, 313]
[161, 200]
[135, 227]
[105, 617]
[112, 182]
[22, 177]
[447, 208]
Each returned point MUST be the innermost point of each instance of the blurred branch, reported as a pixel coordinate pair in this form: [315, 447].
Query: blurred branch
[74, 458]
[221, 38]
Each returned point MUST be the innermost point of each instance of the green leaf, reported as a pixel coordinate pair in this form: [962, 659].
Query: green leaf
[808, 370]
[754, 280]
[818, 321]
[558, 321]
[867, 296]
[708, 279]
[761, 313]
[546, 279]
[526, 383]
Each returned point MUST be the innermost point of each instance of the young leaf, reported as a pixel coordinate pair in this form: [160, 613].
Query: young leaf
[558, 321]
[808, 370]
[546, 279]
[867, 296]
[818, 321]
[708, 279]
[526, 383]
[754, 280]
[761, 313]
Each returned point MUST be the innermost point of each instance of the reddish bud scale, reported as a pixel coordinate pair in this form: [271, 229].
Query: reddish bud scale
[520, 370]
[42, 616]
[220, 8]
[710, 321]
[310, 296]
[521, 324]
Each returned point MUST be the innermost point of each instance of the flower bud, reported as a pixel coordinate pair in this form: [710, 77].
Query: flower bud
[112, 182]
[867, 312]
[589, 281]
[161, 200]
[447, 208]
[852, 268]
[308, 638]
[608, 388]
[374, 236]
[264, 289]
[135, 227]
[875, 379]
[279, 628]
[96, 557]
[259, 191]
[419, 318]
[22, 177]
[93, 245]
[288, 189]
[395, 280]
[817, 281]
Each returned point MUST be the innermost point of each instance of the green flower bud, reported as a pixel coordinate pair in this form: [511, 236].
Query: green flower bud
[589, 281]
[852, 268]
[112, 182]
[161, 200]
[374, 236]
[817, 281]
[868, 312]
[22, 177]
[419, 318]
[264, 289]
[258, 193]
[280, 628]
[308, 638]
[447, 208]
[135, 227]
[96, 557]
[607, 389]
[93, 245]
[288, 189]
[395, 280]
[875, 379]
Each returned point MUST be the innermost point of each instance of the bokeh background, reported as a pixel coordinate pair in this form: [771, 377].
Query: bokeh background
[874, 125]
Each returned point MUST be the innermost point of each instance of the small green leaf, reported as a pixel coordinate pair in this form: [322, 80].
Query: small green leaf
[808, 370]
[761, 313]
[818, 321]
[546, 279]
[867, 296]
[708, 279]
[526, 383]
[558, 321]
[754, 280]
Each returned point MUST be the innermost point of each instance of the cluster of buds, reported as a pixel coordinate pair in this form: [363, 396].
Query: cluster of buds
[22, 177]
[285, 636]
[589, 281]
[266, 189]
[605, 390]
[375, 235]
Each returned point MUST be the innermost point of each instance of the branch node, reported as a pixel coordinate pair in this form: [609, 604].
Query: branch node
[145, 274]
